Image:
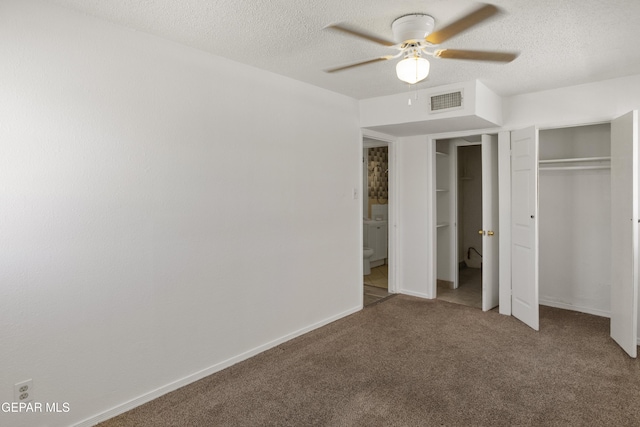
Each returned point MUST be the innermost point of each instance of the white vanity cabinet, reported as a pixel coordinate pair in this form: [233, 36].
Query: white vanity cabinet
[375, 235]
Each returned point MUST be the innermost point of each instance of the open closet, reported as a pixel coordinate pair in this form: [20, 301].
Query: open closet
[574, 213]
[574, 178]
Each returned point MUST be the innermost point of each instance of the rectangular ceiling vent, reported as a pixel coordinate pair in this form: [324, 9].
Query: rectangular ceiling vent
[446, 101]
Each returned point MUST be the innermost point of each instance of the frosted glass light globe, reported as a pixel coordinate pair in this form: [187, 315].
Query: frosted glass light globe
[413, 69]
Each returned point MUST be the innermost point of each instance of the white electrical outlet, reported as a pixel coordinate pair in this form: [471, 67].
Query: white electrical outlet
[23, 391]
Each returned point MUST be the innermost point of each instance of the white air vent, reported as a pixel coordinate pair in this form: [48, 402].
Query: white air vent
[446, 101]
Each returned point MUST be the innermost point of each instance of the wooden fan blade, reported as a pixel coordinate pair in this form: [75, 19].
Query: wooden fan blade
[360, 34]
[483, 12]
[357, 64]
[476, 55]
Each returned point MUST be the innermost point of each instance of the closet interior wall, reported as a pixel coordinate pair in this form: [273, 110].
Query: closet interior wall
[469, 209]
[575, 218]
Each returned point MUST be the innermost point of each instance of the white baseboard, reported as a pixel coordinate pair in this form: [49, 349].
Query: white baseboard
[565, 306]
[154, 394]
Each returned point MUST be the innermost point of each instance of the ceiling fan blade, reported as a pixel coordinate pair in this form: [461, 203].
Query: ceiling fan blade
[357, 33]
[483, 12]
[357, 64]
[475, 55]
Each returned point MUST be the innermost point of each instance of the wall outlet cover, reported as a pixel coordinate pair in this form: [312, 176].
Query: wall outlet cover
[23, 391]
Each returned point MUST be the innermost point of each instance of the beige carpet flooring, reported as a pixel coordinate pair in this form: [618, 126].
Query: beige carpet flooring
[413, 362]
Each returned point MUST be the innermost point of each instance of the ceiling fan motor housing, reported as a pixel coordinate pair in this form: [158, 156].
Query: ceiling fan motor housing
[412, 28]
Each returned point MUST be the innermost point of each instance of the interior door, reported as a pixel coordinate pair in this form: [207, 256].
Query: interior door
[524, 226]
[490, 289]
[624, 232]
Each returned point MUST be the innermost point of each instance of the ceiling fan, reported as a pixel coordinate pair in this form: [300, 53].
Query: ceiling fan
[414, 38]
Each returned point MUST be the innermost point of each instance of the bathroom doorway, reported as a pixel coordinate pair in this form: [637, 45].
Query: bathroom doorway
[376, 167]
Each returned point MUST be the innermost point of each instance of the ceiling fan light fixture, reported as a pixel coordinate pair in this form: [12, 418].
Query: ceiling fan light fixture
[413, 69]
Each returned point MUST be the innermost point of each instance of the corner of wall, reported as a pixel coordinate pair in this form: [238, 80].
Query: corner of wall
[488, 104]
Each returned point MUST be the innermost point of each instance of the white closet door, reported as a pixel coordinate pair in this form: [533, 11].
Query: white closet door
[524, 226]
[490, 222]
[624, 232]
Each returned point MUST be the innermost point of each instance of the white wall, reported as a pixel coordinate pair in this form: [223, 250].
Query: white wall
[395, 109]
[416, 180]
[488, 104]
[164, 213]
[408, 114]
[581, 104]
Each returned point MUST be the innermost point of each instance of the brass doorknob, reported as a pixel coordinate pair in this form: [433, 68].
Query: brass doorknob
[481, 232]
[490, 233]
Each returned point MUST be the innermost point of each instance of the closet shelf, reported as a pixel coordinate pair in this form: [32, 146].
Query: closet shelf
[442, 224]
[564, 164]
[573, 168]
[441, 189]
[574, 160]
[440, 153]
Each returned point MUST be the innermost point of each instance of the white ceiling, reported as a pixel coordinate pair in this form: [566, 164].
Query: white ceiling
[561, 42]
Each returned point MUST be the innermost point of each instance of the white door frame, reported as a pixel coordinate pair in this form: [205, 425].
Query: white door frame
[456, 144]
[383, 140]
[432, 286]
[490, 222]
[504, 219]
[504, 179]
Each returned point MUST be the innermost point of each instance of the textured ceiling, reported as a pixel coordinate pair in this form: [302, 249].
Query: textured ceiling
[561, 42]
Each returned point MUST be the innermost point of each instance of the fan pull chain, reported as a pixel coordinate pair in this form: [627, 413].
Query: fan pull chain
[416, 95]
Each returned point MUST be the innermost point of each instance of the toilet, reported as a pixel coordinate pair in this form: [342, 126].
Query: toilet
[367, 253]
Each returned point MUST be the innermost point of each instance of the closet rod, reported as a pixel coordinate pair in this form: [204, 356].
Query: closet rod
[572, 168]
[578, 159]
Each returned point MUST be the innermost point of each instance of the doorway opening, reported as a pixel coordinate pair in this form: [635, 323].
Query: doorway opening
[376, 218]
[469, 220]
[466, 174]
